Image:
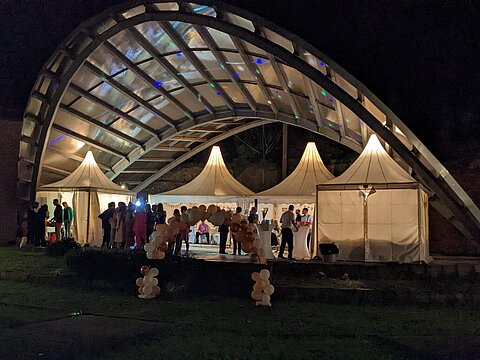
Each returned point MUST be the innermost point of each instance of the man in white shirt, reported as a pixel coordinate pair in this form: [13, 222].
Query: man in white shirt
[288, 224]
[307, 220]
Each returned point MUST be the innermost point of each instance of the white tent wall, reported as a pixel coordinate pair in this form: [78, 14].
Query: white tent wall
[275, 210]
[396, 228]
[87, 227]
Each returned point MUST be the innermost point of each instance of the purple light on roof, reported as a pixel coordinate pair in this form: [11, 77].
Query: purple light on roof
[322, 63]
[276, 91]
[236, 75]
[56, 140]
[331, 100]
[219, 93]
[259, 61]
[179, 54]
[158, 83]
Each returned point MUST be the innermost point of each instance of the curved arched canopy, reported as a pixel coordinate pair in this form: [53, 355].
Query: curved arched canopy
[146, 85]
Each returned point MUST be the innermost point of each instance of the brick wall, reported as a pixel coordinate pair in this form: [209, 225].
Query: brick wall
[9, 146]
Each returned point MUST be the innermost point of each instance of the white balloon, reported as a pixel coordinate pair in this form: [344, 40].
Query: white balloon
[269, 289]
[149, 247]
[217, 218]
[139, 282]
[153, 272]
[154, 282]
[160, 255]
[147, 290]
[265, 298]
[264, 274]
[147, 280]
[149, 255]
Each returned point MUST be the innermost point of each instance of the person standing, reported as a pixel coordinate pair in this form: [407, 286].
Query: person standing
[140, 227]
[184, 228]
[67, 220]
[129, 224]
[107, 228]
[150, 220]
[223, 230]
[172, 246]
[288, 224]
[298, 216]
[307, 220]
[237, 244]
[160, 215]
[120, 214]
[253, 216]
[58, 219]
[32, 225]
[43, 216]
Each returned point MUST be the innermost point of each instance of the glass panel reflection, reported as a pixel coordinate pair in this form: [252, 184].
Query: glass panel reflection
[266, 69]
[238, 65]
[136, 85]
[188, 33]
[169, 109]
[212, 95]
[294, 79]
[222, 39]
[89, 108]
[104, 60]
[154, 33]
[113, 97]
[189, 100]
[147, 117]
[233, 92]
[257, 94]
[211, 64]
[185, 68]
[129, 47]
[85, 79]
[160, 75]
[130, 129]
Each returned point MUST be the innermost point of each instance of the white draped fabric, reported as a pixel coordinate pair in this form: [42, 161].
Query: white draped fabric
[264, 241]
[87, 228]
[300, 249]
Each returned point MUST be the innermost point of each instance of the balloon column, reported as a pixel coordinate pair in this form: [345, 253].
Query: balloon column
[262, 289]
[247, 235]
[148, 285]
[157, 247]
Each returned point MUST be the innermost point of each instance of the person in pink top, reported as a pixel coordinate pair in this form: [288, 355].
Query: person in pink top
[140, 227]
[203, 229]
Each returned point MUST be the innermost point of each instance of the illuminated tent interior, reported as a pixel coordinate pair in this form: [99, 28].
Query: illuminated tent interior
[214, 185]
[375, 211]
[88, 191]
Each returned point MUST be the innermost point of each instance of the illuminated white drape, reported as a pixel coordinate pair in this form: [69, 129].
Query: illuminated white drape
[87, 227]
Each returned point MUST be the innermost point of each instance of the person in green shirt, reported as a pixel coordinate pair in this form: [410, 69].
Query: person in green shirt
[67, 220]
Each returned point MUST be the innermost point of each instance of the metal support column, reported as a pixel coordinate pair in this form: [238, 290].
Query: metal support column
[284, 151]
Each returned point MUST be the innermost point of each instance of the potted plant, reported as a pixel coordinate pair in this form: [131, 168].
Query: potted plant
[329, 252]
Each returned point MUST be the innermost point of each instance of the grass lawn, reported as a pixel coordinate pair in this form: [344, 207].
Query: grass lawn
[233, 328]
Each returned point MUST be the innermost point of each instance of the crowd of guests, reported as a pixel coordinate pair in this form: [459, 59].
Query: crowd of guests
[38, 217]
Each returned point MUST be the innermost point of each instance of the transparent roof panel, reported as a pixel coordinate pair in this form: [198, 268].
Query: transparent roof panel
[322, 96]
[266, 69]
[147, 118]
[278, 39]
[252, 48]
[256, 93]
[129, 47]
[130, 129]
[223, 40]
[211, 64]
[212, 95]
[154, 33]
[281, 100]
[56, 159]
[235, 61]
[233, 92]
[240, 21]
[134, 12]
[351, 120]
[68, 97]
[345, 85]
[189, 35]
[304, 107]
[185, 68]
[168, 108]
[168, 6]
[187, 98]
[104, 60]
[89, 108]
[136, 85]
[93, 132]
[64, 143]
[294, 79]
[203, 10]
[161, 76]
[85, 79]
[113, 97]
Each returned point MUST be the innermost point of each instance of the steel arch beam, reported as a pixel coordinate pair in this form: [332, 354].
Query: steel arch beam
[464, 213]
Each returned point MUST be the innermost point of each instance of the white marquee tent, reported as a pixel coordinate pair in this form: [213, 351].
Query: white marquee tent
[299, 188]
[374, 211]
[214, 185]
[88, 190]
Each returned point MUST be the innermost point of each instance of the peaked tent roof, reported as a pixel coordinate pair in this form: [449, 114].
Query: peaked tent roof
[215, 182]
[301, 184]
[374, 166]
[88, 176]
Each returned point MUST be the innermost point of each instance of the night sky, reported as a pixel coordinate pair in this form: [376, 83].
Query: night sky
[419, 57]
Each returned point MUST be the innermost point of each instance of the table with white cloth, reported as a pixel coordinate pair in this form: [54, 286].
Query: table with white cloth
[265, 242]
[300, 249]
